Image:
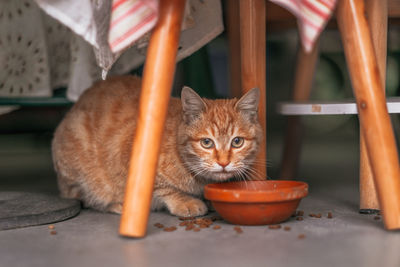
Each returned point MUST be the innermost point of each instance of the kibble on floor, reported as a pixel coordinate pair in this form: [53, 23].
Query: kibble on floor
[301, 236]
[170, 229]
[159, 225]
[238, 229]
[274, 226]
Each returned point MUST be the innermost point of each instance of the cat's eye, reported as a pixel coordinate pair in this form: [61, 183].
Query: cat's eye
[207, 143]
[237, 142]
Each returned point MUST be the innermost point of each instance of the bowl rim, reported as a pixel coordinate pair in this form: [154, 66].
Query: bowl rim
[294, 190]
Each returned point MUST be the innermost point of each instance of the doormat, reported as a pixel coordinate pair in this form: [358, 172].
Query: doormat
[22, 209]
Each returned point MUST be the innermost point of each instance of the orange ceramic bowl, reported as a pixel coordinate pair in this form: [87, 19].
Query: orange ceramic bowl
[256, 202]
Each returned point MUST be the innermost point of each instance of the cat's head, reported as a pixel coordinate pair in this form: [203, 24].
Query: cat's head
[219, 139]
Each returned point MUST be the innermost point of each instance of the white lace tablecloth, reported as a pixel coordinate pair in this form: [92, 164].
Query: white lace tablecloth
[46, 44]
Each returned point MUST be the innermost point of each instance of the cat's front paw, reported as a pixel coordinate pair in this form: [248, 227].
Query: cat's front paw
[189, 208]
[115, 208]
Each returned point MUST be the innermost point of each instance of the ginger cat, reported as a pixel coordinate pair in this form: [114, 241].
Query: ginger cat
[205, 141]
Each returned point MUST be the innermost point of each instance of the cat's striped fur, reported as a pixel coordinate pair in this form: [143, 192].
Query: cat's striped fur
[92, 145]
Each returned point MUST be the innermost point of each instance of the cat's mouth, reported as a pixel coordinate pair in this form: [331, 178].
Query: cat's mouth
[222, 175]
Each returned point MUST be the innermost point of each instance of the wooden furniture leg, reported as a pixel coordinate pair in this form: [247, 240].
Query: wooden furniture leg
[156, 89]
[233, 34]
[253, 64]
[304, 74]
[377, 17]
[372, 110]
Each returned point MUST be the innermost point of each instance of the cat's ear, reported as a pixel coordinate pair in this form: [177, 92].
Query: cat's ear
[192, 104]
[248, 104]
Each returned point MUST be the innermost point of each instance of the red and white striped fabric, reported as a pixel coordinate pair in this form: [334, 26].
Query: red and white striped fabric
[130, 20]
[312, 16]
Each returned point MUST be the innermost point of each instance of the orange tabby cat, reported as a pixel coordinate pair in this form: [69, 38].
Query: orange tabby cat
[204, 141]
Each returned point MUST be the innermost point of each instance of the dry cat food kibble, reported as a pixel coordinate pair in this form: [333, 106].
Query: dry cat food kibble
[330, 216]
[299, 213]
[51, 227]
[53, 232]
[238, 229]
[287, 228]
[216, 227]
[203, 222]
[170, 229]
[299, 218]
[196, 224]
[186, 223]
[159, 225]
[186, 218]
[189, 227]
[318, 215]
[274, 226]
[301, 236]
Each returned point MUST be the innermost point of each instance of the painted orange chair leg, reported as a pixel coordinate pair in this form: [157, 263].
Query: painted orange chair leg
[253, 63]
[233, 34]
[156, 89]
[375, 122]
[304, 75]
[377, 12]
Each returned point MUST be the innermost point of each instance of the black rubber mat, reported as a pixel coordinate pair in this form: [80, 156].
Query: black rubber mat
[22, 209]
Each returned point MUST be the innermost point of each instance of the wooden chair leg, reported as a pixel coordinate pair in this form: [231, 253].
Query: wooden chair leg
[233, 34]
[156, 89]
[304, 74]
[253, 63]
[372, 110]
[377, 17]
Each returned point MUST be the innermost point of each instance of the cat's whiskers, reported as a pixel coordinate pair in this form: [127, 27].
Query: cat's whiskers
[196, 170]
[242, 175]
[239, 173]
[255, 173]
[258, 162]
[251, 173]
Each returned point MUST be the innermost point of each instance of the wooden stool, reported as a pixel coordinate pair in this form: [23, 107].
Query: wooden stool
[364, 42]
[377, 17]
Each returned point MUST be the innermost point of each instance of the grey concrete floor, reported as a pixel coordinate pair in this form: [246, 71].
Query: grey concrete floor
[329, 165]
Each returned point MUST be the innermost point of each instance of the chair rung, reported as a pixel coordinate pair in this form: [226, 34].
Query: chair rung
[329, 108]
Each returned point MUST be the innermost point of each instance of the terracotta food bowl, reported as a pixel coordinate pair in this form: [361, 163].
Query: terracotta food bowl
[256, 202]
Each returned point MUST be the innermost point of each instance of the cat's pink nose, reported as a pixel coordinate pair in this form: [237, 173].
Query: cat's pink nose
[223, 164]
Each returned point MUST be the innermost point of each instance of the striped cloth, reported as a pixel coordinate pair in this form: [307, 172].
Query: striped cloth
[131, 19]
[312, 16]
